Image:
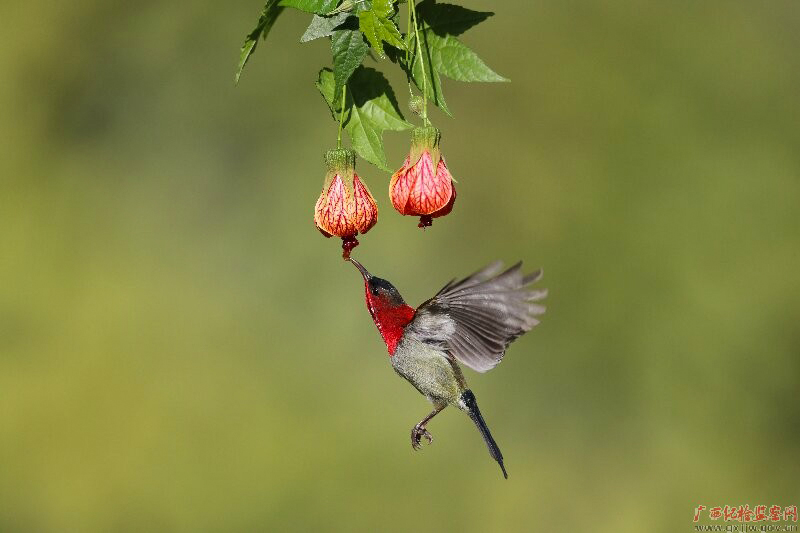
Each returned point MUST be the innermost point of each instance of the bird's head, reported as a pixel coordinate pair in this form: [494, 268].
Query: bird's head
[389, 311]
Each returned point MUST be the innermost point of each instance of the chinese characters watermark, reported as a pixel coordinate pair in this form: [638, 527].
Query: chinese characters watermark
[743, 513]
[744, 518]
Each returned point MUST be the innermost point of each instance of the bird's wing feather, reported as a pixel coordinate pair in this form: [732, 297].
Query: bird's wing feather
[476, 318]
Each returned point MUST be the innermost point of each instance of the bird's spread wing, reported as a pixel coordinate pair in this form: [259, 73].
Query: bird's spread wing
[476, 318]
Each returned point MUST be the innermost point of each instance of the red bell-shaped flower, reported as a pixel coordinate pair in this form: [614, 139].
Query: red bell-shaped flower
[345, 208]
[423, 186]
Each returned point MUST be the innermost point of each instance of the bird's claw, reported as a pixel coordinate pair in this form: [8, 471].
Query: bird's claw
[417, 432]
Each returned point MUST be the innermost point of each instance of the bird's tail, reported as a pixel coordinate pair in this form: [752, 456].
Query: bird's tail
[471, 407]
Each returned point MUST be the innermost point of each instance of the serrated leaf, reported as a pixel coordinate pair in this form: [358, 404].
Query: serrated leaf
[450, 57]
[268, 16]
[443, 53]
[377, 26]
[374, 110]
[370, 109]
[349, 50]
[323, 26]
[320, 7]
[326, 85]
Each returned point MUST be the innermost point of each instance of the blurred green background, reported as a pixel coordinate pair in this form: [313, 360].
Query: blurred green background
[180, 349]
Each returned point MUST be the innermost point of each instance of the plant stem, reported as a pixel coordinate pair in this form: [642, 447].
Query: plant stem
[408, 52]
[341, 117]
[413, 8]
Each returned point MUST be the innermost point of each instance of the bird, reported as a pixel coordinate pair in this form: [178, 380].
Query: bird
[470, 321]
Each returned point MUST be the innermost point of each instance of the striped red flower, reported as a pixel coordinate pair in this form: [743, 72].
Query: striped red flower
[423, 186]
[345, 207]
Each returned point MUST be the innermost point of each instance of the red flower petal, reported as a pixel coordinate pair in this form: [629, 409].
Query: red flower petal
[400, 188]
[365, 210]
[333, 209]
[432, 189]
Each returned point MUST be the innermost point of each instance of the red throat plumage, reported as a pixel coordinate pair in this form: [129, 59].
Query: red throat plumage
[391, 316]
[390, 319]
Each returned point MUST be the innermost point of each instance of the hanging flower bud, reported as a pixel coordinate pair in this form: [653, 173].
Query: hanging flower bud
[423, 186]
[416, 105]
[345, 208]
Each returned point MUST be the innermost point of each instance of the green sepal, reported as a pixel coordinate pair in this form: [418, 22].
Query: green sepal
[425, 138]
[341, 161]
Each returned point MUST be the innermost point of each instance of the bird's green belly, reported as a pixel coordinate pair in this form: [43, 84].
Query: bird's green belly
[430, 371]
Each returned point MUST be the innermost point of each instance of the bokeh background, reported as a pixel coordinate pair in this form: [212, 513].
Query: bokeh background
[180, 349]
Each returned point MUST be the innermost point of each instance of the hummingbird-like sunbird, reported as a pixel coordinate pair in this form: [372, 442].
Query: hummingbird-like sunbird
[471, 321]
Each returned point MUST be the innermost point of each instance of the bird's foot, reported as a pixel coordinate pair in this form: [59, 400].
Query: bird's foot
[417, 432]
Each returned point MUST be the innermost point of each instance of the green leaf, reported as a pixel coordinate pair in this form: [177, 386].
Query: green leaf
[349, 50]
[326, 85]
[451, 58]
[320, 7]
[370, 109]
[377, 26]
[443, 53]
[323, 26]
[268, 16]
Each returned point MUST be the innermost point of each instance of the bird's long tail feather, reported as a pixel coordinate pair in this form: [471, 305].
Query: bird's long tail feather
[475, 414]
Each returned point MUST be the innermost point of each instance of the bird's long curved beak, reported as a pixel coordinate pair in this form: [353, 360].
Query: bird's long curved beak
[360, 267]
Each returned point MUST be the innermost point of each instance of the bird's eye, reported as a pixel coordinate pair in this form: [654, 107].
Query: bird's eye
[374, 290]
